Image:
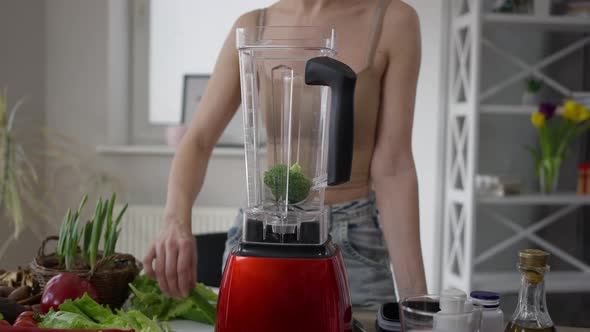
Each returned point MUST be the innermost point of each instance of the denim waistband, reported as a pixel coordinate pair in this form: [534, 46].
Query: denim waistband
[354, 209]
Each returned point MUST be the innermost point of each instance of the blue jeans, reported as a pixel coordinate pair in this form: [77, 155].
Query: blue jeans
[354, 227]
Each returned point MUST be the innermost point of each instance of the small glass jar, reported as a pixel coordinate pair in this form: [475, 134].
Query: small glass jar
[584, 179]
[492, 319]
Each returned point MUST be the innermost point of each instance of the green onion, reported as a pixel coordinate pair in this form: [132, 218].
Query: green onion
[87, 239]
[72, 233]
[97, 224]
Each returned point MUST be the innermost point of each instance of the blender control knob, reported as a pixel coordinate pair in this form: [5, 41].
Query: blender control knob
[254, 230]
[309, 232]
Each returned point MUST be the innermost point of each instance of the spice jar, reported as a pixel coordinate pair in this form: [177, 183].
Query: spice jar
[584, 179]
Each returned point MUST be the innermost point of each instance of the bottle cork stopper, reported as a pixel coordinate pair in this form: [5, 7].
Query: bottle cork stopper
[533, 258]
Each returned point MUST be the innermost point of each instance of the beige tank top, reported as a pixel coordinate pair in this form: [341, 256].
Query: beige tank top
[367, 104]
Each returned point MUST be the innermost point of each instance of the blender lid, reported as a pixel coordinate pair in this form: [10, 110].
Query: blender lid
[285, 37]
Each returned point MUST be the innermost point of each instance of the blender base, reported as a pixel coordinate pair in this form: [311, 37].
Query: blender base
[306, 292]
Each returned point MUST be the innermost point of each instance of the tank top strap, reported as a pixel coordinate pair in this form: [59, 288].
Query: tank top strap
[261, 22]
[375, 32]
[261, 17]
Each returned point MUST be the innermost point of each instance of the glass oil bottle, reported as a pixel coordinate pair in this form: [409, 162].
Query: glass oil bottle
[531, 312]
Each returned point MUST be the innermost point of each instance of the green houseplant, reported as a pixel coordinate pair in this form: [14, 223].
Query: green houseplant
[33, 202]
[530, 96]
[18, 177]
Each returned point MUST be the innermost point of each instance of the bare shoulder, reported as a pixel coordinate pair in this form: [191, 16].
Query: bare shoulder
[401, 26]
[248, 19]
[400, 14]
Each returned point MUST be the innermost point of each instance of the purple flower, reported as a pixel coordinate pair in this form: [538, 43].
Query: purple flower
[548, 110]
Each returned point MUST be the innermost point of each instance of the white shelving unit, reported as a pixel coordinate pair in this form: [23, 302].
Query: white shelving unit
[555, 23]
[466, 102]
[536, 199]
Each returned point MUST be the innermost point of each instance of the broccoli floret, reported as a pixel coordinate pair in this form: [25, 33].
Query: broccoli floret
[299, 184]
[276, 179]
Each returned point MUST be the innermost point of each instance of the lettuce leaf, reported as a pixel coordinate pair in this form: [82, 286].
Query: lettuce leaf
[86, 314]
[93, 310]
[69, 321]
[199, 306]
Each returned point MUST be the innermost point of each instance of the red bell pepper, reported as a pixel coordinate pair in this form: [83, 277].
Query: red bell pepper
[65, 286]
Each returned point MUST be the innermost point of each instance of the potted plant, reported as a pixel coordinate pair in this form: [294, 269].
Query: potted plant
[77, 252]
[556, 133]
[18, 176]
[24, 200]
[530, 96]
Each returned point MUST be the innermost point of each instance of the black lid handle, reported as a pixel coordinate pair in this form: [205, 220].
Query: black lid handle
[341, 79]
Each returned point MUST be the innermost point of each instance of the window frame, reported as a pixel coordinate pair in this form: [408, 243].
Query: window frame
[143, 131]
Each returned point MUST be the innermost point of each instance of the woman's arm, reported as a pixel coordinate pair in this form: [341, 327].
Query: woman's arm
[172, 257]
[392, 169]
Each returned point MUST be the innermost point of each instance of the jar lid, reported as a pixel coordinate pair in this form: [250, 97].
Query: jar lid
[483, 295]
[533, 258]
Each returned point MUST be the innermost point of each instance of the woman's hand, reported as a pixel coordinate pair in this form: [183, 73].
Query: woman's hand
[172, 258]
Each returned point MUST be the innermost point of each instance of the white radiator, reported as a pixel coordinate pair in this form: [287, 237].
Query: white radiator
[141, 224]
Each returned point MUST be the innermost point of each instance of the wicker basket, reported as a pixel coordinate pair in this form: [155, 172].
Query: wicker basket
[111, 275]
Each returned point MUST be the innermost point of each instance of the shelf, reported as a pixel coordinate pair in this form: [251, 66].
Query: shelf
[551, 23]
[555, 282]
[507, 109]
[161, 150]
[536, 199]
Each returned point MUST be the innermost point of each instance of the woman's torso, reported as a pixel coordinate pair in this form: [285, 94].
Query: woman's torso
[358, 31]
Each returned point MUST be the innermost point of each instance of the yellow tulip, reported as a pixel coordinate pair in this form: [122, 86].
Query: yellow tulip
[575, 112]
[538, 119]
[584, 115]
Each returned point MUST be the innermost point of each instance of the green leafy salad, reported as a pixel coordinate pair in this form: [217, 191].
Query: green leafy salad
[199, 306]
[86, 314]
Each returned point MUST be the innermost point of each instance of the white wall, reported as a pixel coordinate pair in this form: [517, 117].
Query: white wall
[22, 74]
[428, 132]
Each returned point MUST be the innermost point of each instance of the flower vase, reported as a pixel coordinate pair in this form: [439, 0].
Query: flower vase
[530, 99]
[549, 176]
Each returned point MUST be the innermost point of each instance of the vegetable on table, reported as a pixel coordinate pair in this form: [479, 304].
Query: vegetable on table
[150, 300]
[20, 293]
[8, 328]
[5, 291]
[10, 309]
[299, 184]
[67, 245]
[102, 226]
[65, 286]
[25, 323]
[86, 314]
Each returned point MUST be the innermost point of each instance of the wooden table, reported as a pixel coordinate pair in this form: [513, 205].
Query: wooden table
[367, 318]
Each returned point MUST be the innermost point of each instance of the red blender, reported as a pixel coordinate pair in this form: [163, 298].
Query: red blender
[286, 274]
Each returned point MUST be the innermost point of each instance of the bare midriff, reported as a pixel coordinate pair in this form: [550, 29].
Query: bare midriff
[346, 193]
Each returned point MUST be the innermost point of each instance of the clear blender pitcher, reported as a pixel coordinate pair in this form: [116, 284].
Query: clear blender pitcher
[298, 131]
